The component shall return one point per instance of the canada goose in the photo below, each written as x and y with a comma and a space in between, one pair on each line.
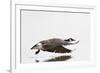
54, 45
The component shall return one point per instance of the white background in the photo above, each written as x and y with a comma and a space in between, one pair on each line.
39, 25
5, 36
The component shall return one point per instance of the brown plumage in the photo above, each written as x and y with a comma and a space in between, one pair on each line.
54, 45
58, 49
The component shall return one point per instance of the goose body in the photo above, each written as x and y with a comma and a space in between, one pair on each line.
54, 45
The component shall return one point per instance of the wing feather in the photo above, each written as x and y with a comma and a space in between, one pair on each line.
58, 49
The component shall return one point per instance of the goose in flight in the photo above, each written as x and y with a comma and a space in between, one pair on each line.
55, 45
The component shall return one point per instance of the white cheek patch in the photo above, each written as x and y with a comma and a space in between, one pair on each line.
39, 45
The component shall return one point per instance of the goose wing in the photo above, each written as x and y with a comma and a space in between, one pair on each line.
58, 49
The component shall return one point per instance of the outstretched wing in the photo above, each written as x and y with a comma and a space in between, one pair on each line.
58, 49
